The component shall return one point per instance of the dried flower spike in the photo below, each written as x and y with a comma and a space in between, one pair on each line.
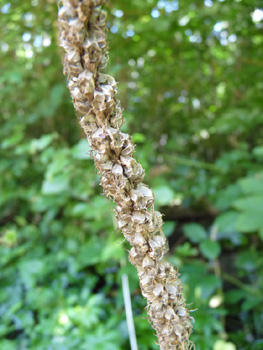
82, 35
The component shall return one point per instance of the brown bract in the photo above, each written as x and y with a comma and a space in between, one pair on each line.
83, 37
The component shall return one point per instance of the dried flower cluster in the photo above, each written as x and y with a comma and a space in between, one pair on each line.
82, 35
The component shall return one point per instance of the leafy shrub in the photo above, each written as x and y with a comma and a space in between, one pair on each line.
190, 84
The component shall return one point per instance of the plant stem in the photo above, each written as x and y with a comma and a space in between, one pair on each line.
82, 35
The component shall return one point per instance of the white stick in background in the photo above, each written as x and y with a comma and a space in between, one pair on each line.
128, 310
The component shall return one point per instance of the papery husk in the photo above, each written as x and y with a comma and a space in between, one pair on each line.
83, 36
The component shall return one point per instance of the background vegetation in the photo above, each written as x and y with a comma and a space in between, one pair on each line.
191, 80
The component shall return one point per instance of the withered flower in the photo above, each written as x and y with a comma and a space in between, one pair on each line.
94, 94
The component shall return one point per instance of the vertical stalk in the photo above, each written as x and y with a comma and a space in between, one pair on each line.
82, 35
128, 310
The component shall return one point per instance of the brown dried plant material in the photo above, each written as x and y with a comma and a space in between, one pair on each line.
82, 35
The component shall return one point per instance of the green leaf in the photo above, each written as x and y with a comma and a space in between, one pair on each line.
14, 138
225, 198
103, 339
234, 296
164, 195
8, 345
251, 302
10, 237
209, 284
56, 184
250, 204
81, 150
247, 261
168, 228
258, 152
223, 345
252, 184
90, 253
210, 249
56, 96
225, 222
112, 251
249, 222
41, 143
30, 270
186, 250
195, 232
138, 137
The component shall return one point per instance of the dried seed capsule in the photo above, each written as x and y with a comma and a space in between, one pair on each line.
181, 311
66, 12
145, 280
172, 290
159, 240
145, 191
169, 313
167, 330
117, 169
138, 217
157, 305
153, 244
158, 289
138, 238
147, 261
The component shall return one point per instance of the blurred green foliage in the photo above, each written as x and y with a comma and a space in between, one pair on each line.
191, 82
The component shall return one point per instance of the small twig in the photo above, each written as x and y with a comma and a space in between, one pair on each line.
192, 163
233, 280
128, 310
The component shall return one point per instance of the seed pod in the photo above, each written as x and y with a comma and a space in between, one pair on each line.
147, 261
117, 170
156, 305
158, 290
169, 313
181, 311
138, 217
145, 280
167, 330
172, 290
